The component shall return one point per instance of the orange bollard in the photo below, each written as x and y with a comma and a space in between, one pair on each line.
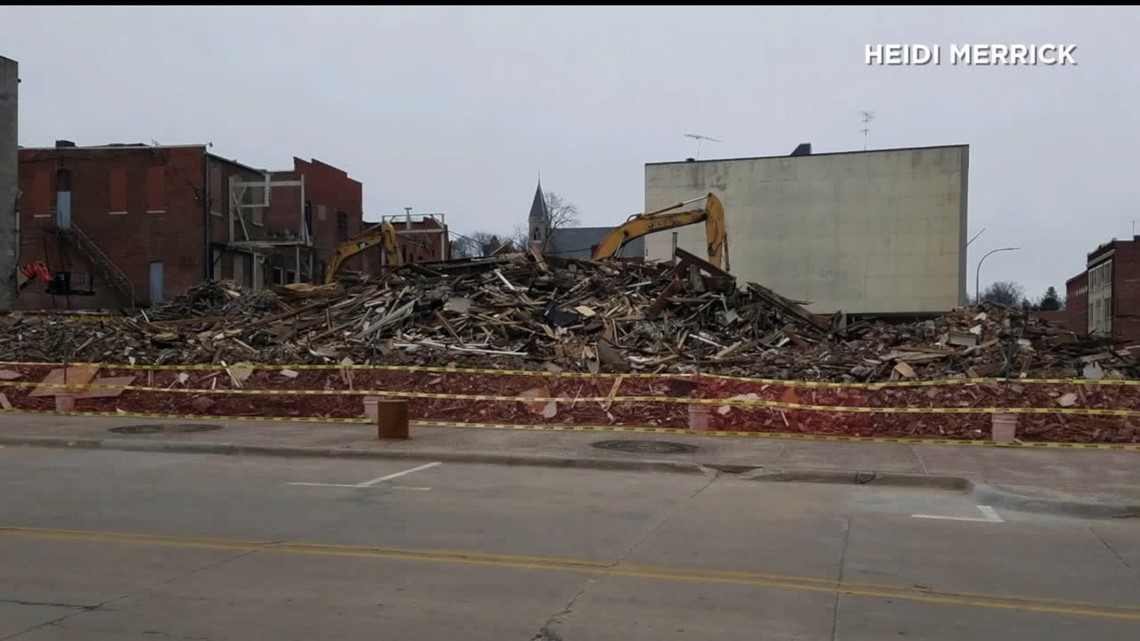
392, 420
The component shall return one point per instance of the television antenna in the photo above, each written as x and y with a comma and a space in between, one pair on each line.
868, 116
700, 138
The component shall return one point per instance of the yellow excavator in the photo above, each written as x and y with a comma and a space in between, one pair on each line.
383, 234
638, 225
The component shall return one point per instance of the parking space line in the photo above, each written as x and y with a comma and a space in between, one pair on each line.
991, 516
398, 474
376, 481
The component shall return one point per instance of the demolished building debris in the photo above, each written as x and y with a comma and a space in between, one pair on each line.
528, 312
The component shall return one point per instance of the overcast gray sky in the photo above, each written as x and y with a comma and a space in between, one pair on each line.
457, 110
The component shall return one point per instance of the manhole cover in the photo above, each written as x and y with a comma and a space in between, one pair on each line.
165, 428
646, 447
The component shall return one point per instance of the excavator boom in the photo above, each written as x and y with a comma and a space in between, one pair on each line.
712, 214
382, 234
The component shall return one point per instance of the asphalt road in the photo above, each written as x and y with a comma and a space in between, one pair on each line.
99, 545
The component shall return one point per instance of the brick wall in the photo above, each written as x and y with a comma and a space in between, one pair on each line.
1058, 318
423, 247
335, 205
1126, 290
1077, 303
138, 204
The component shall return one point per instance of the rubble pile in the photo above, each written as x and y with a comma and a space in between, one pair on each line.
524, 311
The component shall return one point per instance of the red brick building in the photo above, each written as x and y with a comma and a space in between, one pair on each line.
331, 206
129, 225
1104, 300
423, 238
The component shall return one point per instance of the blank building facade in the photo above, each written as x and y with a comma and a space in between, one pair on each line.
872, 232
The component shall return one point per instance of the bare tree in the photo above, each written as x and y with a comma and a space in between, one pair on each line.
1006, 293
520, 237
563, 213
474, 244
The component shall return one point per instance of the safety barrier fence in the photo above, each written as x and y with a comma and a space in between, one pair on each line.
1053, 410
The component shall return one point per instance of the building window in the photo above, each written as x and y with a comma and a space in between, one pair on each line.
309, 218
218, 191
341, 226
1100, 299
63, 198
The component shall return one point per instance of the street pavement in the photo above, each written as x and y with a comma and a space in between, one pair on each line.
1060, 474
99, 545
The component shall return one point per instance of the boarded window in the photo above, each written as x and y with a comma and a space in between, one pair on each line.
218, 198
156, 189
41, 196
118, 191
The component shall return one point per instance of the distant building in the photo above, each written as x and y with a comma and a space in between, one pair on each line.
572, 242
1104, 299
580, 243
330, 205
128, 225
423, 238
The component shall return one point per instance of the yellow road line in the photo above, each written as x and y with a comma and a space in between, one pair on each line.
560, 564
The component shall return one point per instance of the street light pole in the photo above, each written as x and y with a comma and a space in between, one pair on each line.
978, 273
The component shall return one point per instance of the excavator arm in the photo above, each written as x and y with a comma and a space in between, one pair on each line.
382, 234
712, 214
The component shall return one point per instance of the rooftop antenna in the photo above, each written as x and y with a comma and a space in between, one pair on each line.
868, 116
699, 138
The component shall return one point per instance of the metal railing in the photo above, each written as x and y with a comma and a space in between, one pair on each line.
105, 265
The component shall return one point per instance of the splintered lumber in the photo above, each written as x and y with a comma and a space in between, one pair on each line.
526, 311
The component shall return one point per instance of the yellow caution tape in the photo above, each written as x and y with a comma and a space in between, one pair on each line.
543, 373
626, 429
719, 402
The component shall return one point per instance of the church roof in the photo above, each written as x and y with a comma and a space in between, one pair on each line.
538, 207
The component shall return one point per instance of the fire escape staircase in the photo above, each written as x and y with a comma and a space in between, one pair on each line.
106, 268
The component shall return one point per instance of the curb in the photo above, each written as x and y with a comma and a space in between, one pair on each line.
284, 451
984, 494
995, 496
845, 477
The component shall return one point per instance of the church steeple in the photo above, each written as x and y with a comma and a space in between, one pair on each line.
539, 219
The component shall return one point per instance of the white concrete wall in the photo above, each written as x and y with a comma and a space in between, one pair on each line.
862, 232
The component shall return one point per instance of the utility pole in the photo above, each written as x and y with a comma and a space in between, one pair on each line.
9, 182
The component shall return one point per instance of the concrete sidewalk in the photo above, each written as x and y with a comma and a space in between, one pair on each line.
1095, 483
